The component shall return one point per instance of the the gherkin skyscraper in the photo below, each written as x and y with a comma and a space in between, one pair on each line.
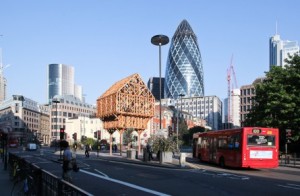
184, 71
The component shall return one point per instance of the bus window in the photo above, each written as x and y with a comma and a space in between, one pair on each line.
199, 140
261, 140
204, 143
234, 142
237, 141
230, 142
222, 143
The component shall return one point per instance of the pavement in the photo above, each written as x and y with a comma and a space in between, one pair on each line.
5, 183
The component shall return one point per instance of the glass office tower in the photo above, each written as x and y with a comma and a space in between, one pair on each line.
280, 50
60, 80
184, 71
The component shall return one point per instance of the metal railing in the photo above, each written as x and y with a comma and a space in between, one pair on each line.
48, 183
289, 160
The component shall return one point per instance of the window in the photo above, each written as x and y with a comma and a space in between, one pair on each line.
261, 140
204, 143
222, 143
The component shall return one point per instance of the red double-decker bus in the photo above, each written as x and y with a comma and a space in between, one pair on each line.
248, 147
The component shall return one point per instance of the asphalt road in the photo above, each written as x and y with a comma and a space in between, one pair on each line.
111, 177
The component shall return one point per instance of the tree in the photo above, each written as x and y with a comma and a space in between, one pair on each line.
188, 137
162, 144
277, 99
127, 137
183, 129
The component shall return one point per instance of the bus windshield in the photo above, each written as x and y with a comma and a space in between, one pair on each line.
261, 140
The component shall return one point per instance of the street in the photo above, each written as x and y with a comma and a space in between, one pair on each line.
105, 176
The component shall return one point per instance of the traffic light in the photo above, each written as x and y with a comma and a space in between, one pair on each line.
74, 136
62, 133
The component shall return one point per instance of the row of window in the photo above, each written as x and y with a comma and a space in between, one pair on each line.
64, 107
230, 142
193, 102
233, 141
249, 91
246, 100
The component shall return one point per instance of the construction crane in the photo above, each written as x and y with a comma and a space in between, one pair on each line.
231, 85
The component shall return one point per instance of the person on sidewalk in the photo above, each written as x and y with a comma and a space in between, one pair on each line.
67, 164
149, 151
87, 149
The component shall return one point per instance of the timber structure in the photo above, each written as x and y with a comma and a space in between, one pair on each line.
126, 104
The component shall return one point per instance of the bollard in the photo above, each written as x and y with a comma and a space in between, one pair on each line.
182, 159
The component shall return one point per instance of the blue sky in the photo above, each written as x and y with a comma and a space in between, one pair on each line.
108, 40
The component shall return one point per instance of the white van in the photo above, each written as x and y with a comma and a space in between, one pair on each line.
31, 146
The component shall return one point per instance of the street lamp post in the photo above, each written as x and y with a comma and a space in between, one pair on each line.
160, 40
56, 102
181, 95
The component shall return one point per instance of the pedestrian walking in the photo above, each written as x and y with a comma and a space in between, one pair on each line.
115, 148
67, 162
149, 151
87, 149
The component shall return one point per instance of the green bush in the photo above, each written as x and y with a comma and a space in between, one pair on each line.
163, 144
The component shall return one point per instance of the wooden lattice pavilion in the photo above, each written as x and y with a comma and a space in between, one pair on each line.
126, 104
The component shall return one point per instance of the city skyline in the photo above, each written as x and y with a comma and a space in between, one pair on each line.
106, 41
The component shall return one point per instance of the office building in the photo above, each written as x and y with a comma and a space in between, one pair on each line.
2, 80
184, 70
65, 107
153, 86
24, 120
208, 108
61, 82
2, 86
280, 50
246, 98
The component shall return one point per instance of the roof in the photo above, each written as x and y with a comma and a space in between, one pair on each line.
117, 86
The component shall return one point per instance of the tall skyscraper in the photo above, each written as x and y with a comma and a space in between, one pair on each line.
279, 50
2, 85
61, 81
184, 70
153, 86
2, 80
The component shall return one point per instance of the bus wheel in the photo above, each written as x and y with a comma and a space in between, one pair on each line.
222, 162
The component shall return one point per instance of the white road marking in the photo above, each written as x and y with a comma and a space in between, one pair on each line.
141, 165
217, 174
103, 174
125, 184
290, 186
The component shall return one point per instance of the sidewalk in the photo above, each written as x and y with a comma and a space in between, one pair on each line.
5, 183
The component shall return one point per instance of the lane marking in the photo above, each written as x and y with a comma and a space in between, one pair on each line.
150, 166
125, 184
290, 186
217, 174
103, 174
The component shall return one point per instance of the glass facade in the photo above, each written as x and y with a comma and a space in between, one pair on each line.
184, 70
280, 50
60, 80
